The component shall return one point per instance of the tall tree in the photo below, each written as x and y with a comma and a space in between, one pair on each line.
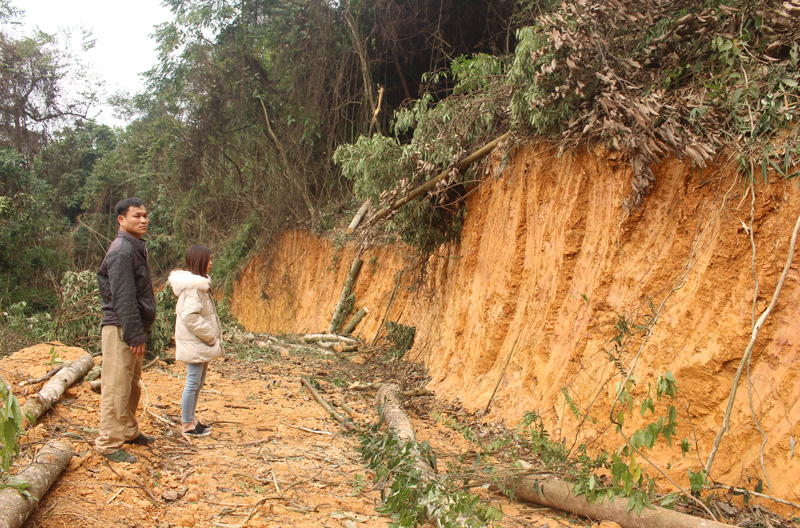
33, 98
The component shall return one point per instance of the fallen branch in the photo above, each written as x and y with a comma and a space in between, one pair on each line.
53, 372
151, 363
42, 401
749, 350
47, 465
347, 424
430, 184
308, 430
377, 385
503, 372
733, 489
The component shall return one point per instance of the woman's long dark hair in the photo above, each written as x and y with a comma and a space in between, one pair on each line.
197, 258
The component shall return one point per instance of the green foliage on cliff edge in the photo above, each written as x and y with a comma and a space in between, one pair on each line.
648, 79
652, 80
430, 136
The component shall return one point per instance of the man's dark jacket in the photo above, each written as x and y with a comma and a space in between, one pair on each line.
126, 290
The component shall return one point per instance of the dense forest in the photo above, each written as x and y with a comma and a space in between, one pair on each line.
264, 115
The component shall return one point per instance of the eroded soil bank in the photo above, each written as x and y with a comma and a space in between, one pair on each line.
534, 296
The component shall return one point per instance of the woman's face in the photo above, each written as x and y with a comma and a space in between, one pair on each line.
208, 269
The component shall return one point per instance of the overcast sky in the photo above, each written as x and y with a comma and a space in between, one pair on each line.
123, 45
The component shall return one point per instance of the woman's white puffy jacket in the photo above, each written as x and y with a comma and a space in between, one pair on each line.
198, 336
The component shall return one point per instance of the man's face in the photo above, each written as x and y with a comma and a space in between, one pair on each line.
135, 222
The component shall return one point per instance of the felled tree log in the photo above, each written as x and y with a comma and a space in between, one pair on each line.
338, 312
333, 338
47, 465
359, 216
397, 421
558, 494
392, 413
355, 320
92, 385
550, 492
42, 401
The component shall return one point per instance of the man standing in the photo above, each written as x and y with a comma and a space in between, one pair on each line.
129, 309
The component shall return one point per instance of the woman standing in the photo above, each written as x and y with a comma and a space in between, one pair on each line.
198, 336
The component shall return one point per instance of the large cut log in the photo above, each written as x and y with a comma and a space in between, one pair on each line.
397, 421
42, 401
47, 465
338, 313
550, 492
349, 327
556, 493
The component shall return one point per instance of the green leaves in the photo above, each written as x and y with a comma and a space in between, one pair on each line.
413, 497
10, 426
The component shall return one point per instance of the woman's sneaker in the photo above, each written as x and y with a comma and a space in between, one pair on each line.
199, 430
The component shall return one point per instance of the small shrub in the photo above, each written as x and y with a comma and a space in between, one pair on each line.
77, 320
10, 428
401, 338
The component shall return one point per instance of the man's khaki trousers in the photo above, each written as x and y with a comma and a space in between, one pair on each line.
119, 392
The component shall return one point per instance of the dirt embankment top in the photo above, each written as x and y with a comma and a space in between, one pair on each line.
553, 294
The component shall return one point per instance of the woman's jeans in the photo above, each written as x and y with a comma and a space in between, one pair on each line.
195, 378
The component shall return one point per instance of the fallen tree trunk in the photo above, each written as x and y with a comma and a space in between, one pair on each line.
42, 401
338, 312
558, 494
397, 421
316, 338
430, 184
392, 413
47, 465
359, 216
349, 327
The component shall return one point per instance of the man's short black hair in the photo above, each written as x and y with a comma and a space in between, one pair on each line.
123, 205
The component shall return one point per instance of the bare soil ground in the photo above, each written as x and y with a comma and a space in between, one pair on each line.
274, 458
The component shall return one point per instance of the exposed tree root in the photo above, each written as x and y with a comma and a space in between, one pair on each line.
749, 350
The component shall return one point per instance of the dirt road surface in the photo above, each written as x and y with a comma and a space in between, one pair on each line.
274, 458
